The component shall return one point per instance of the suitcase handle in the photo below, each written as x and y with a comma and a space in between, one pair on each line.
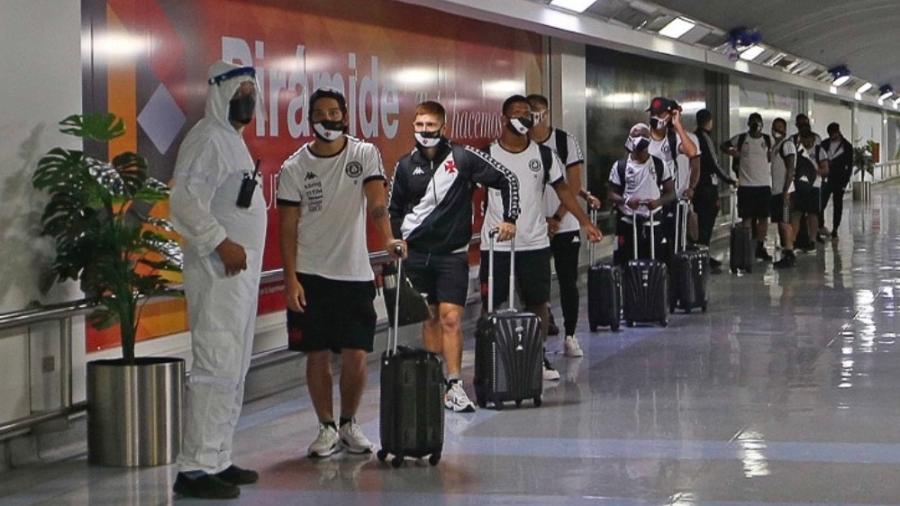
396, 330
512, 270
634, 223
734, 218
593, 215
682, 210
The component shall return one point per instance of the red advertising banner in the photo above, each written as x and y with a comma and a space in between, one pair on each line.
146, 60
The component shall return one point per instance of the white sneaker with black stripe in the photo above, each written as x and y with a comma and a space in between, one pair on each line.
326, 444
456, 398
353, 439
550, 374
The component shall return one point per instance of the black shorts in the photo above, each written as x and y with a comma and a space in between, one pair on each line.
806, 198
338, 315
754, 201
443, 277
532, 276
778, 207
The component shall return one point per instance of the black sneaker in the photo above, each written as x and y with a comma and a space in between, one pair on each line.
787, 260
237, 476
207, 486
552, 329
715, 264
762, 254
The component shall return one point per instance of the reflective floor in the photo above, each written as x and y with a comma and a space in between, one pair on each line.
786, 392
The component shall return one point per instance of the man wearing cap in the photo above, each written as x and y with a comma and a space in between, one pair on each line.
668, 139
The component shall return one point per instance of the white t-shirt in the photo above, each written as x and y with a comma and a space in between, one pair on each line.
640, 183
754, 169
781, 150
683, 168
531, 225
662, 150
331, 236
810, 154
551, 199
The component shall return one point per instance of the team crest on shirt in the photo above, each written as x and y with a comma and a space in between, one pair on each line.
354, 169
534, 165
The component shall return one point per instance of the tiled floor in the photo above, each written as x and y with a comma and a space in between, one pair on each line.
786, 392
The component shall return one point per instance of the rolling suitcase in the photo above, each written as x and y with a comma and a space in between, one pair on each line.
412, 392
645, 284
604, 292
509, 350
690, 268
741, 247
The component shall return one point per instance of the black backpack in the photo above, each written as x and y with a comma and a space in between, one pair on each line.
562, 145
807, 167
658, 165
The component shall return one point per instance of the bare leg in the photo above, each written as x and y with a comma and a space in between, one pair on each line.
431, 331
319, 383
451, 336
353, 380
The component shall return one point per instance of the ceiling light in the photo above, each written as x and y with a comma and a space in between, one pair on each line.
896, 102
573, 5
885, 92
841, 75
864, 88
752, 52
771, 62
677, 27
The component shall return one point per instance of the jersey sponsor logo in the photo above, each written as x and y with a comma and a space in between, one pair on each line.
534, 165
418, 172
354, 169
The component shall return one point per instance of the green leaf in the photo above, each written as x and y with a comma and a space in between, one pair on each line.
152, 191
98, 127
132, 168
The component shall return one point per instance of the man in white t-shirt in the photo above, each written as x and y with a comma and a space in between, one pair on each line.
811, 168
534, 166
565, 239
784, 158
668, 141
753, 149
637, 185
325, 190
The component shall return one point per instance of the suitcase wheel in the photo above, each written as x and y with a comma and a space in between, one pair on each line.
397, 462
434, 459
664, 323
629, 323
382, 455
519, 403
538, 401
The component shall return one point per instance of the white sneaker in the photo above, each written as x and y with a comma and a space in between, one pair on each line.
572, 347
326, 444
550, 374
353, 438
457, 400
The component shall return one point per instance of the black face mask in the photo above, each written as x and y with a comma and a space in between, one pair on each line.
521, 126
240, 109
428, 139
328, 131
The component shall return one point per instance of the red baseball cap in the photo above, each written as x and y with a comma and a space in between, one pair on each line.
660, 105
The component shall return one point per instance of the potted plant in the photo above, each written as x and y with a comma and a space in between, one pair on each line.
98, 215
864, 164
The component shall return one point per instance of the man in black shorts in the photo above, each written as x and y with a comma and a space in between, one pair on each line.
431, 208
324, 192
784, 158
535, 166
753, 149
812, 167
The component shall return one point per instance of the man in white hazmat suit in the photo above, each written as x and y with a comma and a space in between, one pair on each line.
224, 235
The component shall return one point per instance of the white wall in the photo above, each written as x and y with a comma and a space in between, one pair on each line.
827, 111
41, 62
869, 127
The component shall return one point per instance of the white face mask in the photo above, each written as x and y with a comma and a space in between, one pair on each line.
326, 130
428, 139
658, 123
538, 117
639, 143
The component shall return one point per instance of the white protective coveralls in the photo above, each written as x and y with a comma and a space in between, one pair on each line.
211, 164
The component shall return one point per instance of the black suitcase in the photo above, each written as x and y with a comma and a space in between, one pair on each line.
604, 294
412, 392
509, 350
690, 269
741, 247
645, 285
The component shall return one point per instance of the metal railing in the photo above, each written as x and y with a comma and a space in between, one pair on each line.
884, 171
64, 313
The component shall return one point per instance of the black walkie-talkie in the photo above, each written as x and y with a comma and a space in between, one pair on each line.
248, 186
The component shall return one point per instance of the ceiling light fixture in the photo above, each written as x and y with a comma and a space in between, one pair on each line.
885, 92
578, 6
677, 27
864, 88
752, 52
841, 75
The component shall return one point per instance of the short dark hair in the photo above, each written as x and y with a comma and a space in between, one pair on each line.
515, 99
432, 107
807, 135
801, 116
833, 127
327, 93
535, 99
703, 116
779, 120
754, 116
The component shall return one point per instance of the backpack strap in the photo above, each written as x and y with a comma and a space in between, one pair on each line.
659, 166
768, 142
672, 137
741, 139
620, 168
562, 145
546, 161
